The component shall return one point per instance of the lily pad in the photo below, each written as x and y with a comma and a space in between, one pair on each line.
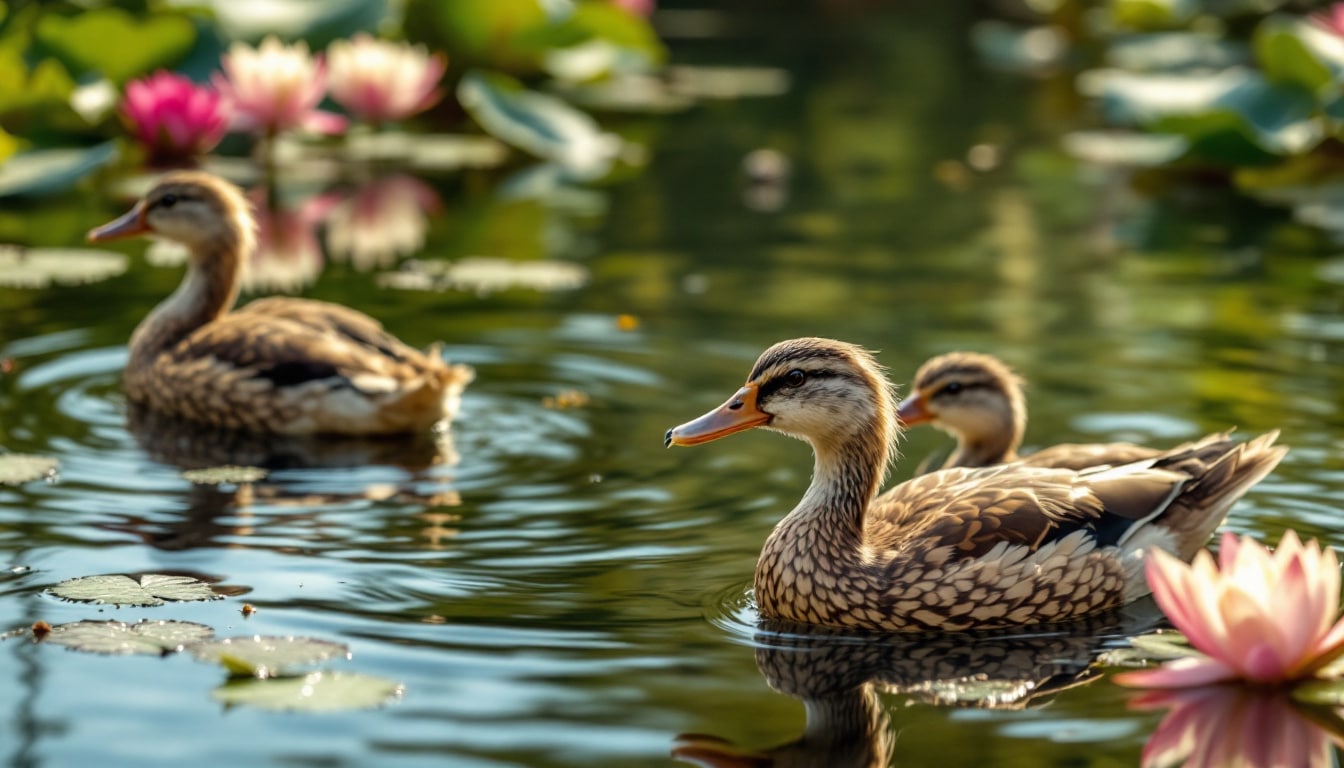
314, 692
45, 171
224, 474
1328, 693
264, 657
42, 267
1149, 649
150, 638
1142, 150
728, 82
80, 41
144, 590
16, 468
539, 124
486, 275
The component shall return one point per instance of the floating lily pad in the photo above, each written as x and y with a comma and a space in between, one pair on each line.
224, 474
18, 468
314, 692
1328, 693
486, 275
539, 124
44, 171
1149, 649
41, 267
1124, 148
150, 638
264, 657
1167, 51
728, 82
144, 590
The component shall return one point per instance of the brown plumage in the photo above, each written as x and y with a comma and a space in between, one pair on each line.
978, 400
959, 548
277, 365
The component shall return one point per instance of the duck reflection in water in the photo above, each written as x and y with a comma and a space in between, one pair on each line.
1234, 725
416, 475
840, 675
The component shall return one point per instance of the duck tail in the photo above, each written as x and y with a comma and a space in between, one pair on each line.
1220, 473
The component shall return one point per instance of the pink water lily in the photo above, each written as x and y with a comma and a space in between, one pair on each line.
276, 87
1232, 725
174, 118
1258, 616
379, 81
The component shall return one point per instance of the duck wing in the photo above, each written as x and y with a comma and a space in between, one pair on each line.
972, 511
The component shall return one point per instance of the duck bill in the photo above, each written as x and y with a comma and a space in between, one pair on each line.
736, 415
911, 411
129, 224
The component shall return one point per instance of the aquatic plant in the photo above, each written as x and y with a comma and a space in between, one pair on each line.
276, 87
174, 118
1260, 616
381, 81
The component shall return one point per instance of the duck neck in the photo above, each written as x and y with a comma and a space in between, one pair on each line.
983, 452
823, 535
207, 292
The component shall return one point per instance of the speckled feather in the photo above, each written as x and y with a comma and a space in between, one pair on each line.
966, 548
279, 365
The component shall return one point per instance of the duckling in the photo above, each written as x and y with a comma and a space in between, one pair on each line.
278, 365
959, 548
978, 400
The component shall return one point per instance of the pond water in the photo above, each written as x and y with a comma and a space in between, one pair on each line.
554, 587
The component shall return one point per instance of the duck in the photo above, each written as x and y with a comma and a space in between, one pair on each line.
978, 399
278, 365
959, 548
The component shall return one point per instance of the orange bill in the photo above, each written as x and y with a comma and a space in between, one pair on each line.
129, 224
739, 413
912, 411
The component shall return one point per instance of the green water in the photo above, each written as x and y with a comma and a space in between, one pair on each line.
559, 589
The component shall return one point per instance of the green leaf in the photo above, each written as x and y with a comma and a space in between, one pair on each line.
1274, 117
502, 34
113, 43
264, 657
314, 692
150, 638
1143, 150
539, 124
41, 267
608, 23
16, 468
1329, 693
1152, 14
1149, 649
1285, 57
45, 171
224, 474
144, 590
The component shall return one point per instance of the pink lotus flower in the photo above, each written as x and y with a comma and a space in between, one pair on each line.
174, 118
276, 88
1258, 616
384, 219
380, 81
1330, 19
1224, 725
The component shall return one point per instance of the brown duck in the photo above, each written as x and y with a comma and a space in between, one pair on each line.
277, 365
978, 400
958, 548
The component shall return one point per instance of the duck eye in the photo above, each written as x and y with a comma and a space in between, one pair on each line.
795, 378
168, 200
952, 388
